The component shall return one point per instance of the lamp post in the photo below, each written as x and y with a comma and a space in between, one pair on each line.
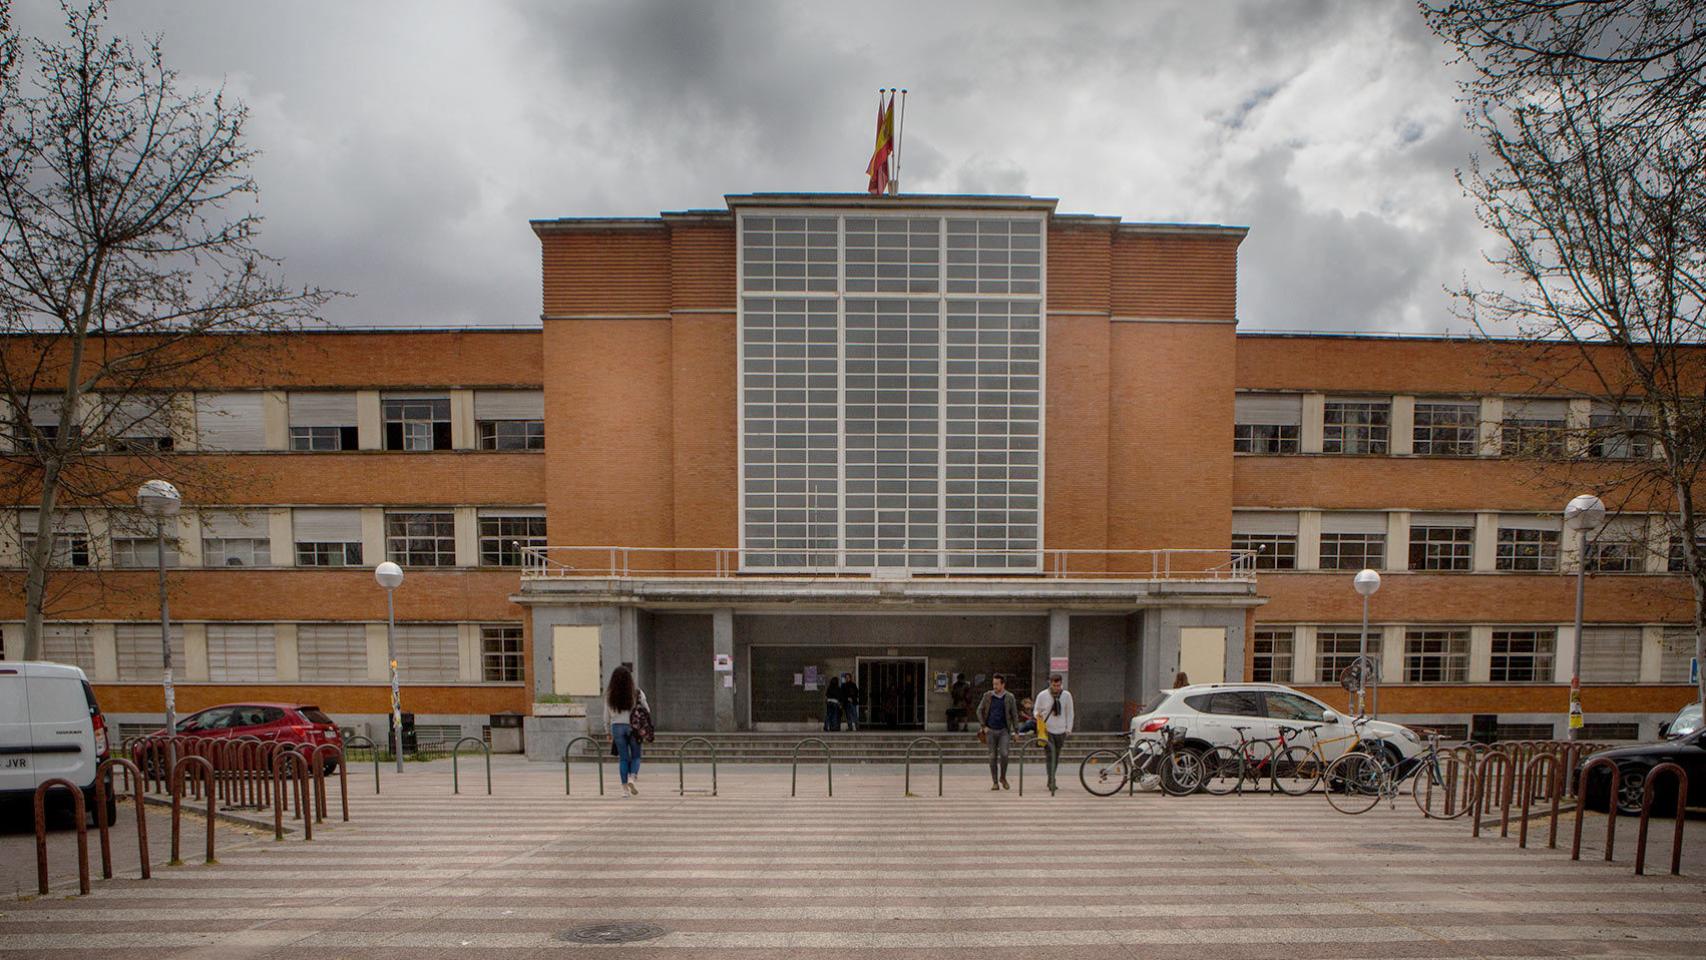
1366, 582
390, 576
1584, 513
158, 500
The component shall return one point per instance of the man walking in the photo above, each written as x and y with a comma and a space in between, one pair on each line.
850, 701
997, 718
1054, 712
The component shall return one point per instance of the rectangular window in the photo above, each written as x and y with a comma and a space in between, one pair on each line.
789, 254
331, 652
1675, 562
1614, 556
140, 424
323, 421
72, 644
322, 439
232, 539
1274, 551
1353, 551
510, 419
1436, 655
1523, 656
230, 421
70, 549
1447, 429
416, 423
1266, 422
1611, 654
134, 541
1524, 731
427, 653
1600, 732
894, 254
139, 655
241, 653
328, 554
1442, 544
1534, 428
421, 539
512, 434
1356, 426
997, 255
1337, 648
1525, 549
327, 537
503, 537
1615, 434
1272, 652
500, 653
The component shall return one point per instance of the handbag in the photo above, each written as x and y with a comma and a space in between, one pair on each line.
1042, 729
640, 723
982, 734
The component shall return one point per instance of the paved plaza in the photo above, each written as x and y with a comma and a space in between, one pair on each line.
752, 872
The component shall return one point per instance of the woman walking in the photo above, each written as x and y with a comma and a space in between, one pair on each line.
620, 699
832, 706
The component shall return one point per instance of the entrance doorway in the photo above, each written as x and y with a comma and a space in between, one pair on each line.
893, 691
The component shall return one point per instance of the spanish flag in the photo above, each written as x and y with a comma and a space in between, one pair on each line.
878, 168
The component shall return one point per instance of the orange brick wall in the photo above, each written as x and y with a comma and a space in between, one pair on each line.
335, 698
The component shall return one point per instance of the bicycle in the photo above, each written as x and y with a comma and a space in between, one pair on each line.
1226, 769
1144, 762
1358, 781
1300, 769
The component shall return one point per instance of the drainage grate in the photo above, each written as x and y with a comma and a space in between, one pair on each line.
612, 933
1393, 847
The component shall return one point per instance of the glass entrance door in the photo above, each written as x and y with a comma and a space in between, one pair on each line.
893, 691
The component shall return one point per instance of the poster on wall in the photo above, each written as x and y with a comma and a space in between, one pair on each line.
1057, 664
799, 680
811, 676
722, 663
941, 682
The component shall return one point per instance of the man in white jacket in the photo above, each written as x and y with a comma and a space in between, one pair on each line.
1053, 710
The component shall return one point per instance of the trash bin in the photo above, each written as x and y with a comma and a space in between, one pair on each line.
506, 733
410, 744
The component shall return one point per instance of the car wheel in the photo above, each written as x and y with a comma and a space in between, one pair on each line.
1631, 785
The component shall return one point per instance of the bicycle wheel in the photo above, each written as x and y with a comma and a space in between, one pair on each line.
1182, 772
1356, 782
1223, 770
1297, 771
1258, 766
1440, 788
1104, 772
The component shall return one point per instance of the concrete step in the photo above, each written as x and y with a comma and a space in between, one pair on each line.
861, 747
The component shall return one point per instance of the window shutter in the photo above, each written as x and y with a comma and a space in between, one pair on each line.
241, 652
1611, 654
509, 405
322, 409
234, 525
1537, 409
69, 643
139, 651
64, 521
45, 409
427, 653
230, 421
512, 512
1277, 521
1270, 409
1675, 652
139, 417
1442, 520
1527, 522
332, 651
1353, 523
1631, 529
327, 526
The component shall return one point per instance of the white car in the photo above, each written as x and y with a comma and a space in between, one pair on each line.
50, 727
1208, 715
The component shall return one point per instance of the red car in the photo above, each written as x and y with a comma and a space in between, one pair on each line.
286, 722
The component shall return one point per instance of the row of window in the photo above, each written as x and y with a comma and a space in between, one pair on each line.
325, 653
1441, 654
1446, 543
327, 537
1273, 423
318, 421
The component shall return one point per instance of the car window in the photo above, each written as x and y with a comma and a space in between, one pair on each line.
1290, 706
213, 718
1236, 703
271, 715
315, 715
247, 716
1200, 702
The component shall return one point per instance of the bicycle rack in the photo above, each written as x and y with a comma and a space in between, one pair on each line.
828, 765
1554, 773
103, 775
343, 776
1610, 805
1027, 745
1499, 762
180, 772
941, 762
282, 759
681, 765
1647, 808
82, 816
598, 758
455, 782
373, 749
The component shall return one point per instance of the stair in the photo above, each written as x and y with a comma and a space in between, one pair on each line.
862, 747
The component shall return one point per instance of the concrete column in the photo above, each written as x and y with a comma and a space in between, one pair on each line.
104, 639
1303, 654
284, 649
1309, 436
1492, 413
462, 436
182, 422
275, 420
378, 665
628, 638
369, 427
188, 536
1486, 550
195, 651
373, 538
1059, 644
282, 535
1309, 540
1398, 540
468, 652
1565, 659
722, 644
1652, 653
1576, 423
1480, 653
467, 526
1391, 651
1403, 429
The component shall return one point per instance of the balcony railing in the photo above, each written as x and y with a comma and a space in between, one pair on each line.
712, 562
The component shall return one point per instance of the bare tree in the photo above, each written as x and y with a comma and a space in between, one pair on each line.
128, 267
1594, 184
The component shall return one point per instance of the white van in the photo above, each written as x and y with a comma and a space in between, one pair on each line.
50, 726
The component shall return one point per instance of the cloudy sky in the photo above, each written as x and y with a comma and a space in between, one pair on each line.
406, 145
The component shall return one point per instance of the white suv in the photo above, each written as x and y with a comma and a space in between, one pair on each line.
50, 727
1206, 715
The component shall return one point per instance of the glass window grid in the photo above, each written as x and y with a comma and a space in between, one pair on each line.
500, 654
1266, 438
69, 549
992, 432
1436, 655
328, 553
893, 423
893, 255
421, 539
1620, 436
1271, 655
1615, 555
511, 434
142, 553
502, 539
1674, 560
995, 256
1353, 551
1274, 551
1523, 656
790, 254
323, 439
417, 425
1336, 650
1447, 429
1442, 548
791, 405
1356, 426
1521, 437
1527, 550
236, 552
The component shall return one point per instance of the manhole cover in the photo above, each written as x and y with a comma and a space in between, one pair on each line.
1394, 847
612, 933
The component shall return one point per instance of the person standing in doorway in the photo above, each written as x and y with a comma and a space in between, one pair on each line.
850, 701
1180, 680
1054, 709
832, 706
997, 718
620, 699
959, 703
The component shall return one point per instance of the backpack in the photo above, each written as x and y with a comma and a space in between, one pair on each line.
640, 723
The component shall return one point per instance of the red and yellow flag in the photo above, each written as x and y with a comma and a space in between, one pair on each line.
878, 168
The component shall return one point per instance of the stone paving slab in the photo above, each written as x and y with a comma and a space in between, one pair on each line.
868, 873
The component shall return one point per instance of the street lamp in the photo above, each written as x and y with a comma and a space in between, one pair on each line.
390, 576
158, 499
1366, 582
1584, 513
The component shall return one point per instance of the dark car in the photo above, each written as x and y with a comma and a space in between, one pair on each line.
1633, 765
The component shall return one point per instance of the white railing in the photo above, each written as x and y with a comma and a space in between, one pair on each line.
609, 562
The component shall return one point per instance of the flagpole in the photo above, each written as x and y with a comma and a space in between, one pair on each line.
899, 131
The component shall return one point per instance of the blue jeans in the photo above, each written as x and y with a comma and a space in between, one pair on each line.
627, 750
831, 716
852, 712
